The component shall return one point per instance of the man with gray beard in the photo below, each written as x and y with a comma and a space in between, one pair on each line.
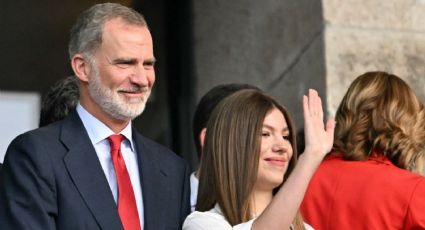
93, 170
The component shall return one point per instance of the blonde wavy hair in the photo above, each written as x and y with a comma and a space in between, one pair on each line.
381, 112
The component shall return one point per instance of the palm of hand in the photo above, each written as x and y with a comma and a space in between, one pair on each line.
318, 139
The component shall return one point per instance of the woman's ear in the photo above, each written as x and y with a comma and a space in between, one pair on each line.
81, 67
202, 137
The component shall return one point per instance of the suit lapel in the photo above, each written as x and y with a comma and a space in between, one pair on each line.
87, 174
154, 188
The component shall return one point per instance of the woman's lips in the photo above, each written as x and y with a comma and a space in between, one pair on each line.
276, 161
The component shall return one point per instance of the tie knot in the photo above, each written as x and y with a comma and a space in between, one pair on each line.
115, 141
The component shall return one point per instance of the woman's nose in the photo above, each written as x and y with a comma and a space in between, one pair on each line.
280, 146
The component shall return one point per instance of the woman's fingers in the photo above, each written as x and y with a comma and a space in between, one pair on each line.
312, 99
306, 110
330, 129
314, 104
318, 136
320, 108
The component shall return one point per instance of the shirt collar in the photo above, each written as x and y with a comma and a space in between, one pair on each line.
97, 130
375, 156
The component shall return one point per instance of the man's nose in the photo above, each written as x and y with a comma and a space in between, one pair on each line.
140, 76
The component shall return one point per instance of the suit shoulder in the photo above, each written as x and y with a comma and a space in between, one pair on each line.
42, 134
37, 143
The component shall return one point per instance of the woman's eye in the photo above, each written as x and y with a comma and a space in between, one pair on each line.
286, 138
265, 134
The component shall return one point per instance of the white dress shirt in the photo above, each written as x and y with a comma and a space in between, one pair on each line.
194, 183
98, 133
214, 219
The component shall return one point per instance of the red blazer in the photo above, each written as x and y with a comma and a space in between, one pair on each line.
372, 194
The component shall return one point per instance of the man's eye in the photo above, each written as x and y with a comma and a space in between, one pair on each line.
149, 64
122, 65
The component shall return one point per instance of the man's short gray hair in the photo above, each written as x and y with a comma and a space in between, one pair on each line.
86, 34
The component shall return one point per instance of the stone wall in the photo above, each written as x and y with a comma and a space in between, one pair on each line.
373, 35
286, 47
275, 45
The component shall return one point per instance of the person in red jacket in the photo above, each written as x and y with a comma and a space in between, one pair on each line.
372, 178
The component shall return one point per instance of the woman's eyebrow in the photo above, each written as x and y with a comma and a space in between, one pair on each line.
286, 129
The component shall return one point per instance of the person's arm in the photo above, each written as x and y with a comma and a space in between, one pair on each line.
27, 196
280, 213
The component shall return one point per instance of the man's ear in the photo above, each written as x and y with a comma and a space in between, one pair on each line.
81, 67
202, 136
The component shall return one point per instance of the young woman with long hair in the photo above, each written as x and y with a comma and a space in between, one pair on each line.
249, 175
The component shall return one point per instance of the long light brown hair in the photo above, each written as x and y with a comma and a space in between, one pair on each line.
229, 164
381, 112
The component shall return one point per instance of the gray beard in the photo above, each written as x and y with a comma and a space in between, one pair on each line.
112, 103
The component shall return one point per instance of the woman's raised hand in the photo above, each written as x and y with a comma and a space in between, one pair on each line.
318, 138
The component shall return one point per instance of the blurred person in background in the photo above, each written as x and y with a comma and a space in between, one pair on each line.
59, 100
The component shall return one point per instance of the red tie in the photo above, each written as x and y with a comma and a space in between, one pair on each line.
127, 208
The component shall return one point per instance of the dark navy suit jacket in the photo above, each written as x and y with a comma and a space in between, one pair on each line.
52, 179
